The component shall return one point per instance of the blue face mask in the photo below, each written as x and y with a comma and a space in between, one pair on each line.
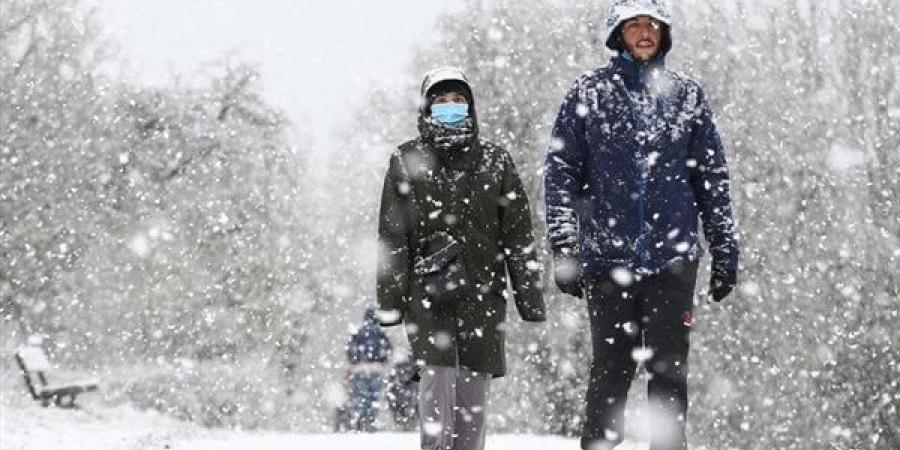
450, 114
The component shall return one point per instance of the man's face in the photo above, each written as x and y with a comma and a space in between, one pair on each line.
642, 36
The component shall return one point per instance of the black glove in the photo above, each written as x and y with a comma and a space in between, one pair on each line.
567, 274
722, 283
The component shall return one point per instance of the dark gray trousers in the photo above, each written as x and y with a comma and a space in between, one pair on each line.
452, 408
648, 321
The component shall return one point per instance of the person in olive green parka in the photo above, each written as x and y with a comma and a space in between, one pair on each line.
469, 188
449, 180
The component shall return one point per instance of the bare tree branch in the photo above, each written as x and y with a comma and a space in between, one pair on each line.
182, 167
17, 68
30, 14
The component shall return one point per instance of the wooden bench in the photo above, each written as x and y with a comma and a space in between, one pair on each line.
34, 365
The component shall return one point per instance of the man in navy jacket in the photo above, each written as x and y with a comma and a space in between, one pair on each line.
635, 163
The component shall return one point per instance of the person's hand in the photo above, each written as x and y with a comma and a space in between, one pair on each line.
722, 283
567, 275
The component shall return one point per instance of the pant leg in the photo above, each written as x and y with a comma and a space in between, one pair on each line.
667, 308
358, 400
472, 390
614, 334
437, 400
366, 388
373, 392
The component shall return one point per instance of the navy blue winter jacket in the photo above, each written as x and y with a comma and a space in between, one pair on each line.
369, 344
635, 160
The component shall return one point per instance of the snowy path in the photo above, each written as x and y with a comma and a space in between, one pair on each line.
380, 441
26, 426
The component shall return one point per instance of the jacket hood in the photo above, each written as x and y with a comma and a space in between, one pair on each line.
621, 11
440, 75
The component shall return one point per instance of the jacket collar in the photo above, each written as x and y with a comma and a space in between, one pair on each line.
636, 74
463, 156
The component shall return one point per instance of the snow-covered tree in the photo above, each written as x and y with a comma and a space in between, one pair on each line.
161, 228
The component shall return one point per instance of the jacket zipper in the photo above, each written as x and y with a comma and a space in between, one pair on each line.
640, 242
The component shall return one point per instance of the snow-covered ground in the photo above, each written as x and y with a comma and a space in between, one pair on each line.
380, 441
25, 425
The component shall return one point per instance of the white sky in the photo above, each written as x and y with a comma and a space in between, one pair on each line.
317, 57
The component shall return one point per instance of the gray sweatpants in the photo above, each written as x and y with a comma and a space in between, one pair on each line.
452, 408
